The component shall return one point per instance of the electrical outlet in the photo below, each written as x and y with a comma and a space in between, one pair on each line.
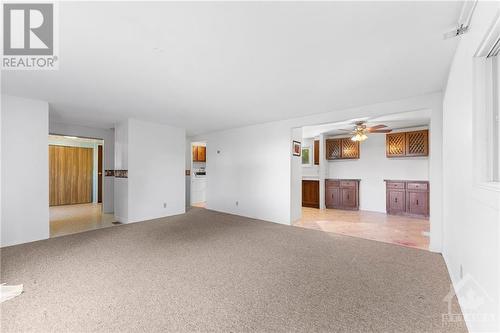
461, 272
164, 205
237, 203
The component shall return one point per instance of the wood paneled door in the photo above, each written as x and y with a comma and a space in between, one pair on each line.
310, 193
70, 175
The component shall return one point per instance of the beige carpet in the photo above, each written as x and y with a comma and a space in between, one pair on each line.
208, 271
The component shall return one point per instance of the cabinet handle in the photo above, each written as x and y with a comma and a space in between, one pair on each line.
332, 195
395, 199
417, 202
348, 197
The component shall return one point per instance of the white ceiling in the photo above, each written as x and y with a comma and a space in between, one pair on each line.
395, 121
208, 66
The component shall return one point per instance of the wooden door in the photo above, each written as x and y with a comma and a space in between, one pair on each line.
417, 202
348, 197
316, 152
310, 193
395, 202
99, 173
70, 175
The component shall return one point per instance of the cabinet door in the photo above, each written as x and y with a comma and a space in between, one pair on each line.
202, 155
395, 144
316, 152
418, 203
395, 201
333, 149
310, 193
348, 198
332, 197
417, 143
350, 149
195, 153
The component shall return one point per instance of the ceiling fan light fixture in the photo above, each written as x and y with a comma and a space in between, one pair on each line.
359, 137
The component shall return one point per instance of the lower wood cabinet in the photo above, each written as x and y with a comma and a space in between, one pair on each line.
310, 193
342, 193
407, 197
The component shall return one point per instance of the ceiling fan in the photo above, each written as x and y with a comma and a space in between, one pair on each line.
360, 131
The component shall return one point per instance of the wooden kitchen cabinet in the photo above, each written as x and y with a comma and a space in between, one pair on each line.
199, 154
407, 144
344, 148
342, 194
310, 193
405, 197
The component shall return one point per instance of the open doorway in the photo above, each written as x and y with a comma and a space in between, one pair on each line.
76, 185
198, 186
369, 178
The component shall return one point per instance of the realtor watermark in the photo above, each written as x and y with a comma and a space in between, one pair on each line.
474, 303
30, 38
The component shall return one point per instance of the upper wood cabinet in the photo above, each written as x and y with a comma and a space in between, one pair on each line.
199, 154
316, 152
403, 144
345, 148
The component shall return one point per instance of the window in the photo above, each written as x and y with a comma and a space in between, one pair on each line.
487, 104
306, 156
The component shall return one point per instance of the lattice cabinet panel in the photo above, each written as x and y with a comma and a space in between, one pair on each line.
333, 149
395, 144
350, 149
417, 143
343, 148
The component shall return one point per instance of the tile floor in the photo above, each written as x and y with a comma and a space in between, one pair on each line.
400, 230
70, 219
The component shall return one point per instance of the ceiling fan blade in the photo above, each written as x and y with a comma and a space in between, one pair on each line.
376, 127
381, 131
344, 130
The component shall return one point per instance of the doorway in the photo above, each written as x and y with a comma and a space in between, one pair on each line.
76, 185
367, 178
198, 183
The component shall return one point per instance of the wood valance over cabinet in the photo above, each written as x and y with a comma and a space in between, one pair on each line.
342, 194
407, 197
407, 144
344, 148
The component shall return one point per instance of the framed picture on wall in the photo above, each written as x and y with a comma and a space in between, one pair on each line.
296, 148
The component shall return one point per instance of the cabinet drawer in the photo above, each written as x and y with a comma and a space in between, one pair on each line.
332, 183
417, 186
396, 185
347, 183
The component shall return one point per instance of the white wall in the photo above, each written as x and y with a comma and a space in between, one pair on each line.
121, 163
471, 228
108, 154
296, 179
373, 167
154, 155
25, 170
251, 166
